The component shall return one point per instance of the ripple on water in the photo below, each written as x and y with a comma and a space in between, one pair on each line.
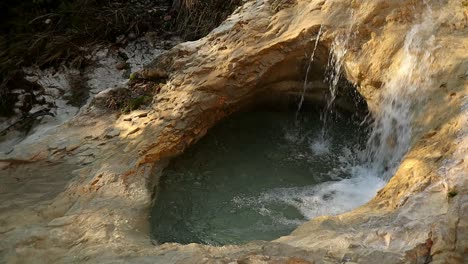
259, 175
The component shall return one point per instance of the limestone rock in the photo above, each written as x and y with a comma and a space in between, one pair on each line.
92, 206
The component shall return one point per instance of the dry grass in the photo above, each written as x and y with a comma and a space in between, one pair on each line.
196, 18
62, 32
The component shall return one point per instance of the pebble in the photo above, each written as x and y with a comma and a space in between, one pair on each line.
121, 66
112, 133
132, 36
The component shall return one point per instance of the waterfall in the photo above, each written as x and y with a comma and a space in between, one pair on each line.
308, 70
333, 74
390, 136
338, 51
391, 132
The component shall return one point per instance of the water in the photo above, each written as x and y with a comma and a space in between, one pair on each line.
334, 72
301, 101
257, 176
338, 51
402, 93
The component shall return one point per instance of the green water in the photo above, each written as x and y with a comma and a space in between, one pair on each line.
252, 177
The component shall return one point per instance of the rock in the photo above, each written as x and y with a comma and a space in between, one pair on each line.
101, 100
409, 220
72, 147
181, 125
111, 132
4, 165
141, 115
121, 66
132, 36
133, 131
62, 221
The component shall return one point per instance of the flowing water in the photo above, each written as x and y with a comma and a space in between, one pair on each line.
391, 131
304, 90
333, 75
402, 94
258, 176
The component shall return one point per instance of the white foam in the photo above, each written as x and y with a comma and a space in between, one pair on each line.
320, 146
391, 134
389, 141
328, 198
368, 169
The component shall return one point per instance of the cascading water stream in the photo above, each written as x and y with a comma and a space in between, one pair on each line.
391, 132
390, 135
244, 188
337, 54
317, 38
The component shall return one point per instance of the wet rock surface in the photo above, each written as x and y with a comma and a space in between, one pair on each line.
80, 191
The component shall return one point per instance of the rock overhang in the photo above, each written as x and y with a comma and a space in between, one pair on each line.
410, 219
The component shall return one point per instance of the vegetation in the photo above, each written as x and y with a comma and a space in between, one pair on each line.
452, 193
50, 32
137, 94
196, 18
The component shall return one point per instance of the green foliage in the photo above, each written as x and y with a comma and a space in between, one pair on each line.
45, 32
133, 76
137, 95
7, 102
452, 193
135, 103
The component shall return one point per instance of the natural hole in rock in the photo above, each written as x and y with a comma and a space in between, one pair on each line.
259, 174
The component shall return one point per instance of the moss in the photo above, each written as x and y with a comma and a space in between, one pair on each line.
133, 76
452, 193
135, 103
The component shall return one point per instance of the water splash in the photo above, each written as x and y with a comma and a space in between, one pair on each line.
338, 52
391, 131
334, 71
317, 38
328, 198
370, 168
320, 146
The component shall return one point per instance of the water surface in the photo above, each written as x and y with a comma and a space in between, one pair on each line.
257, 176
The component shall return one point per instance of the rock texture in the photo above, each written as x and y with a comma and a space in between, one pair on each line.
82, 191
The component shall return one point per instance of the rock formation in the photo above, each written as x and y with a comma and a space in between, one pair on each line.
81, 192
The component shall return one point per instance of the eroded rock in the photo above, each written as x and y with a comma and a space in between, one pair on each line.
97, 213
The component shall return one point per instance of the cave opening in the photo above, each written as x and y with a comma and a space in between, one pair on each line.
260, 173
